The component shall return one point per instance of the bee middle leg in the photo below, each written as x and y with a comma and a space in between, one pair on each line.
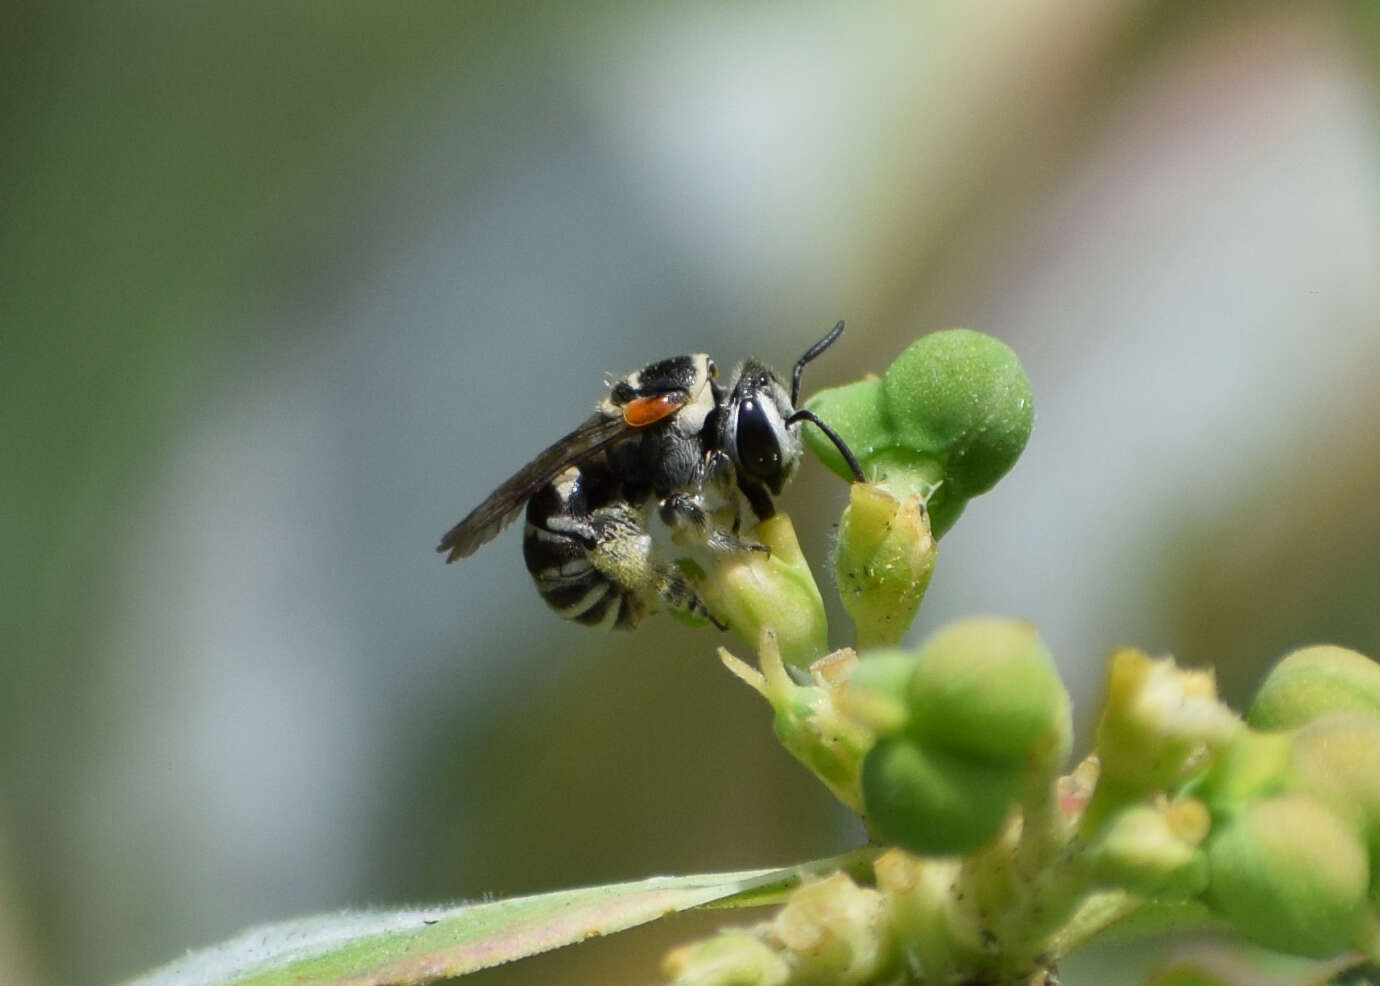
684, 515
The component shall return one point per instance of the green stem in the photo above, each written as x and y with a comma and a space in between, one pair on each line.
1042, 907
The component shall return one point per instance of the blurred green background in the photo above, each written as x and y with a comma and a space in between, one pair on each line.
287, 288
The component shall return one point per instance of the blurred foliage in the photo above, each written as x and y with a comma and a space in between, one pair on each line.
1298, 564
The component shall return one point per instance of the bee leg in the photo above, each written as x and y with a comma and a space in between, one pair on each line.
621, 549
682, 513
677, 592
721, 540
758, 498
718, 473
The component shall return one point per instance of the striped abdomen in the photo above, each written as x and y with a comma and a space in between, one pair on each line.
587, 548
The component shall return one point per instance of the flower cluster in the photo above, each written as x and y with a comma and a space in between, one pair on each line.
995, 866
1295, 847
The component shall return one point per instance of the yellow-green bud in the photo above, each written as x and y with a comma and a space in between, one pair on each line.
988, 689
1315, 681
733, 958
883, 562
1290, 875
754, 591
1155, 716
934, 802
835, 931
809, 720
1154, 851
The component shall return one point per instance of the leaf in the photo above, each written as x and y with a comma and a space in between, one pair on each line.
420, 945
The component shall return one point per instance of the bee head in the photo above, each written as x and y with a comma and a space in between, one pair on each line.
759, 422
755, 432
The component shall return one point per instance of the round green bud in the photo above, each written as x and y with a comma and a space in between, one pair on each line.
882, 562
988, 689
1336, 759
1249, 766
1290, 875
1313, 682
856, 411
933, 802
961, 395
946, 421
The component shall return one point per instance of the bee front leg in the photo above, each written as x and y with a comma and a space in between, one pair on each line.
685, 514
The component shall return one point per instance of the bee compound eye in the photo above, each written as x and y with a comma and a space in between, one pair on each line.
759, 450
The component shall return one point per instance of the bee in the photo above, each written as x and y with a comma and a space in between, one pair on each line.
669, 439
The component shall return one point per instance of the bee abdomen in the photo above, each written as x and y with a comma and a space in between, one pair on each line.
572, 586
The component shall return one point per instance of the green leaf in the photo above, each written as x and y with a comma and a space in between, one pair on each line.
420, 945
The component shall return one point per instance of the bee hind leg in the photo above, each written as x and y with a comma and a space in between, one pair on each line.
677, 592
621, 549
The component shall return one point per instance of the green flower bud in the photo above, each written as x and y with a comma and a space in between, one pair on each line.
962, 395
934, 802
810, 720
988, 689
732, 958
836, 932
1336, 759
947, 420
883, 562
1313, 682
1155, 717
858, 413
1154, 851
1247, 767
754, 591
933, 908
1290, 875
874, 692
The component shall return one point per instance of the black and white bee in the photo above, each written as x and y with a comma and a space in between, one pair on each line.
708, 456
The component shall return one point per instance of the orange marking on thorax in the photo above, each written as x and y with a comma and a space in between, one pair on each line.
643, 411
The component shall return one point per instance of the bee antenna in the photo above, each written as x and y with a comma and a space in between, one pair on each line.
807, 415
810, 354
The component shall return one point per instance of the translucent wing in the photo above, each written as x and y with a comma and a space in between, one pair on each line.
504, 504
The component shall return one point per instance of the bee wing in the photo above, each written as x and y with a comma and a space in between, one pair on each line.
502, 506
